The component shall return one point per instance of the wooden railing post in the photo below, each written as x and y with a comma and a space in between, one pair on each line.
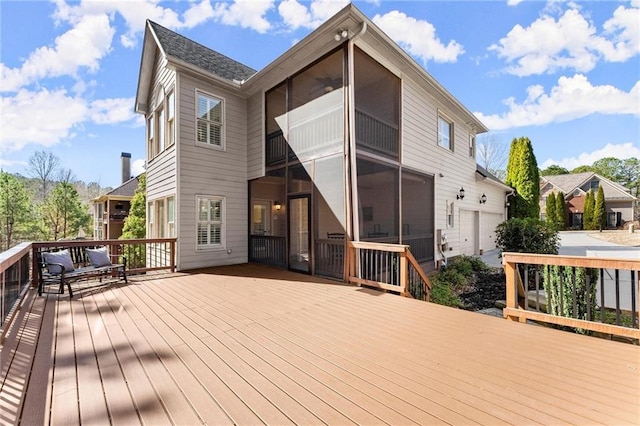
510, 271
404, 273
172, 249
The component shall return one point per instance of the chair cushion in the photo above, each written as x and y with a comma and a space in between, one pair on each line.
99, 257
63, 257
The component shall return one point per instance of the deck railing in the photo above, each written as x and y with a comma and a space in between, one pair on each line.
584, 293
329, 255
389, 267
268, 249
15, 273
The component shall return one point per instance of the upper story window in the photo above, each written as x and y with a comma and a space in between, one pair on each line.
210, 222
161, 127
472, 146
594, 185
171, 113
210, 120
445, 133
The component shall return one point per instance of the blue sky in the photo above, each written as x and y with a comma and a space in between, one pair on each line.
564, 74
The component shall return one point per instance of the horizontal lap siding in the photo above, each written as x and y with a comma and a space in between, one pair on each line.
255, 144
161, 170
420, 151
206, 171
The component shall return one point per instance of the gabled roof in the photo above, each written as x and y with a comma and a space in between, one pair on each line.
568, 183
179, 47
125, 191
179, 50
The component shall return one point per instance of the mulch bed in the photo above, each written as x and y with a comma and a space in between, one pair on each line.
489, 287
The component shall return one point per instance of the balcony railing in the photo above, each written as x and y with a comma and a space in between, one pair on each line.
376, 135
389, 267
587, 294
15, 274
19, 268
268, 249
329, 255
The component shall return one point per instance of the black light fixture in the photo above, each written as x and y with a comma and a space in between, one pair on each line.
483, 198
460, 195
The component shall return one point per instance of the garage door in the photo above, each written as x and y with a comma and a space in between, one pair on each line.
467, 232
488, 224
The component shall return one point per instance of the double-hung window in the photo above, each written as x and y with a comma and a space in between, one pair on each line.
150, 216
171, 113
210, 121
150, 137
161, 131
210, 222
171, 212
472, 146
445, 133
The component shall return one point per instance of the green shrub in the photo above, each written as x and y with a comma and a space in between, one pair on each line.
527, 236
442, 294
456, 278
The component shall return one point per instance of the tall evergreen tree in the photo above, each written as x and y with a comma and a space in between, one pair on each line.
523, 175
550, 208
587, 215
560, 212
64, 212
135, 225
600, 211
16, 213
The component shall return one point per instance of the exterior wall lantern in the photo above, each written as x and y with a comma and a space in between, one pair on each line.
277, 205
483, 198
460, 195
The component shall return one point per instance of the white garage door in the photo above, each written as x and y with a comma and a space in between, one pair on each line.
467, 232
488, 223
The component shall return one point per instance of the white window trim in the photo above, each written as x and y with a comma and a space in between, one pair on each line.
151, 133
223, 223
451, 147
223, 127
450, 215
170, 131
472, 146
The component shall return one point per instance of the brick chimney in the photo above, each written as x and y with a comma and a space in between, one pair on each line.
126, 166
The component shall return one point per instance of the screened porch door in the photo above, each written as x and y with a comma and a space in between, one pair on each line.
299, 238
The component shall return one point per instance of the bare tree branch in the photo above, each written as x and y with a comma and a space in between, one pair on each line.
42, 166
492, 154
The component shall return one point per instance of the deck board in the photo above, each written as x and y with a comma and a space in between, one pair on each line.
251, 344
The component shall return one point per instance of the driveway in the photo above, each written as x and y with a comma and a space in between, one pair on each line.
581, 244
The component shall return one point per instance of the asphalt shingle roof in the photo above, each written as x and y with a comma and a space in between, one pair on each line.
196, 54
567, 183
127, 189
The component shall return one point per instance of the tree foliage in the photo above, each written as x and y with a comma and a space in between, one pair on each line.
16, 213
560, 219
43, 165
554, 170
588, 210
135, 225
63, 212
523, 175
600, 211
550, 208
527, 235
562, 284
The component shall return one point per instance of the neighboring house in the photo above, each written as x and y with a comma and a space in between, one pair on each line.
618, 199
111, 209
284, 165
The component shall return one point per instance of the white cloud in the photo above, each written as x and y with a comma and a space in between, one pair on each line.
296, 15
138, 166
42, 117
514, 2
245, 13
111, 111
198, 13
572, 98
570, 42
418, 37
83, 46
621, 151
49, 117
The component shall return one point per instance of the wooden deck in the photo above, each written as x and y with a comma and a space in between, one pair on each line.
250, 344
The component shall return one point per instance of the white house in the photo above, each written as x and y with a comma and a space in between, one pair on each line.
343, 137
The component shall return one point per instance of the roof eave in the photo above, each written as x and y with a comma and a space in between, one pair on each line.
179, 64
149, 45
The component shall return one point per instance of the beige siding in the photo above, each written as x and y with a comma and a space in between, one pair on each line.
161, 170
255, 137
213, 172
452, 170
